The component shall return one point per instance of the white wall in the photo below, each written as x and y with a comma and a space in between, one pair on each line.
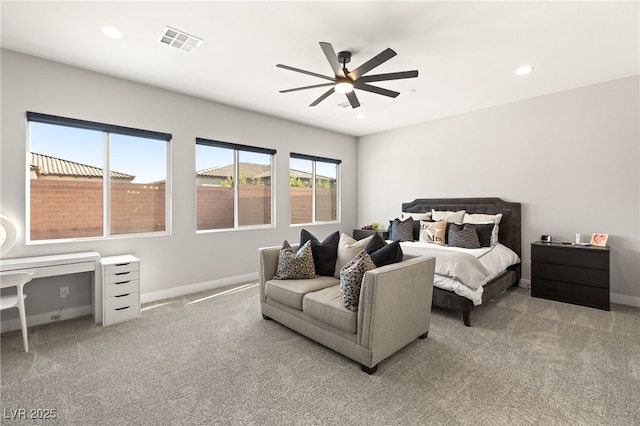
183, 258
571, 158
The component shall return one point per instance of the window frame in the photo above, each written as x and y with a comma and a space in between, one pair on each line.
107, 130
314, 159
236, 147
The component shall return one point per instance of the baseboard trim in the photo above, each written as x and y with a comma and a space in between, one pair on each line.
80, 311
194, 288
44, 318
623, 299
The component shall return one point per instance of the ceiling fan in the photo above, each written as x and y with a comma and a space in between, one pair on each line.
345, 81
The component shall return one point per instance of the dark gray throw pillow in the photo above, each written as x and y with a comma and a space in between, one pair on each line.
463, 236
324, 252
376, 243
484, 231
401, 230
390, 253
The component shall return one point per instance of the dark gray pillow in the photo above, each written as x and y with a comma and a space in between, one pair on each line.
401, 230
324, 252
463, 236
390, 253
484, 231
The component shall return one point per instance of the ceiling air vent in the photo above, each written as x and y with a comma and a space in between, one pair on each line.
180, 39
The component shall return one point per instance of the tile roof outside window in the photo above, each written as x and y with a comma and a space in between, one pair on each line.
44, 165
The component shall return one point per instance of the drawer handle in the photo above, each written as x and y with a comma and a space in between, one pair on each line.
122, 264
122, 273
120, 309
122, 282
122, 295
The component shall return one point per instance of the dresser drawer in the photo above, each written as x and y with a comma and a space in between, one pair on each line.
121, 268
121, 277
121, 301
118, 289
581, 257
593, 297
570, 274
113, 316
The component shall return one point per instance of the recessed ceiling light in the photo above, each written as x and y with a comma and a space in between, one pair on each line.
179, 39
524, 70
111, 32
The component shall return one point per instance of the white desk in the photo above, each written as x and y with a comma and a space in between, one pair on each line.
63, 264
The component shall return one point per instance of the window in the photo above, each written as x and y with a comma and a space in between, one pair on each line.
69, 196
233, 185
313, 188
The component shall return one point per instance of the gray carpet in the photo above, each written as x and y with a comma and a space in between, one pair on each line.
525, 361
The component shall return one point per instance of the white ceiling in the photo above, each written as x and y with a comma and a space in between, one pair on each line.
465, 52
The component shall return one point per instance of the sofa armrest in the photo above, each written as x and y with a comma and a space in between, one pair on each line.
395, 305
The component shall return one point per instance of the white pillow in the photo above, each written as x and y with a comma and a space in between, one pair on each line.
437, 215
348, 248
483, 219
416, 216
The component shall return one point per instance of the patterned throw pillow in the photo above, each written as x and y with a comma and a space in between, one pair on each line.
295, 266
434, 232
401, 230
463, 236
351, 279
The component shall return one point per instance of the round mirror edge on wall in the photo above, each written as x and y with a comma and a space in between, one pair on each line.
7, 234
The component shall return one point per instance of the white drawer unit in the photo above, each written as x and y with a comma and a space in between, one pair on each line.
120, 288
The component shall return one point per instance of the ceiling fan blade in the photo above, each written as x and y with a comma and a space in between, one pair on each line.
287, 67
389, 76
306, 87
322, 98
379, 59
353, 99
374, 89
332, 58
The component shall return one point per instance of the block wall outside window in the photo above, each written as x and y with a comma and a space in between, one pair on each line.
233, 185
313, 189
68, 195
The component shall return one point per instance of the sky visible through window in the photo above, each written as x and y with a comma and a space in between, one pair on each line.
141, 157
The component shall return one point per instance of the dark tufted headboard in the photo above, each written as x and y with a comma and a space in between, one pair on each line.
510, 225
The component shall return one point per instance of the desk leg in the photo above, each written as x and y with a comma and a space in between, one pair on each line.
96, 294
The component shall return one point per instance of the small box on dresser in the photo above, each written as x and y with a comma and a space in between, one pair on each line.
121, 288
571, 273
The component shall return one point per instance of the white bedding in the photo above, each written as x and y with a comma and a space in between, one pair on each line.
491, 261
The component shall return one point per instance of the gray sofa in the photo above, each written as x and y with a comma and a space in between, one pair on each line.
394, 307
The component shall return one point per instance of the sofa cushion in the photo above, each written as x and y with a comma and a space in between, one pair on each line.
348, 248
325, 252
295, 265
291, 292
327, 306
351, 279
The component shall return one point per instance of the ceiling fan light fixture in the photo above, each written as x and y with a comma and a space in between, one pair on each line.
343, 86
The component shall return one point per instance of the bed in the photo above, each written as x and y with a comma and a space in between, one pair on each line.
509, 235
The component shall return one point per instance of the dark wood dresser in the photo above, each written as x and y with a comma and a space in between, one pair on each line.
571, 273
359, 234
